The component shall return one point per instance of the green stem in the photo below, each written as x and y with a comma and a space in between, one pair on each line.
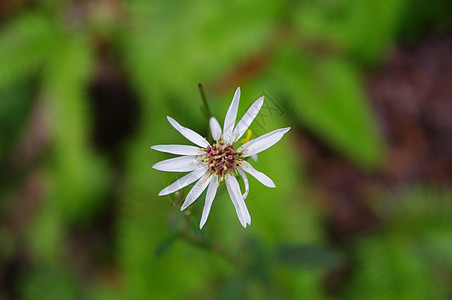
204, 101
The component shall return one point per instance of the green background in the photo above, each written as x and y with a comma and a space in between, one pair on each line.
85, 88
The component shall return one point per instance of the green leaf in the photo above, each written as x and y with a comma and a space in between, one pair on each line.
326, 96
370, 26
80, 177
364, 29
24, 46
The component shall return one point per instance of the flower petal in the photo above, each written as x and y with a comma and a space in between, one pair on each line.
264, 179
211, 191
184, 181
245, 181
236, 197
247, 119
236, 206
189, 134
178, 149
231, 115
178, 164
215, 128
197, 189
263, 142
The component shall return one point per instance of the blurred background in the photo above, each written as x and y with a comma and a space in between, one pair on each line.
363, 204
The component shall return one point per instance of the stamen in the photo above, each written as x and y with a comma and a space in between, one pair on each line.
222, 158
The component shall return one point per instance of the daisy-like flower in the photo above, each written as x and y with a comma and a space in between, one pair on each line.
222, 161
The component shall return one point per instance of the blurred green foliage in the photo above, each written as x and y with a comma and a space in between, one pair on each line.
313, 55
408, 258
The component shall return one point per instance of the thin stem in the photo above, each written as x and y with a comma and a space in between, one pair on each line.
204, 100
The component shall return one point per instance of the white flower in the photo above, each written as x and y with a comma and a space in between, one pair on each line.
211, 164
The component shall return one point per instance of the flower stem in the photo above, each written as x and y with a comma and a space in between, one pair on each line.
204, 101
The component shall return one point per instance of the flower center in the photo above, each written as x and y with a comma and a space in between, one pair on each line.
222, 158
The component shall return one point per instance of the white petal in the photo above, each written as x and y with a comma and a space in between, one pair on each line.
254, 157
264, 179
263, 142
211, 191
178, 149
184, 181
178, 164
197, 189
236, 205
240, 206
247, 119
189, 134
229, 120
245, 181
215, 128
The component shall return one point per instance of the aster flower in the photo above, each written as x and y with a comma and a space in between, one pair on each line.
222, 161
